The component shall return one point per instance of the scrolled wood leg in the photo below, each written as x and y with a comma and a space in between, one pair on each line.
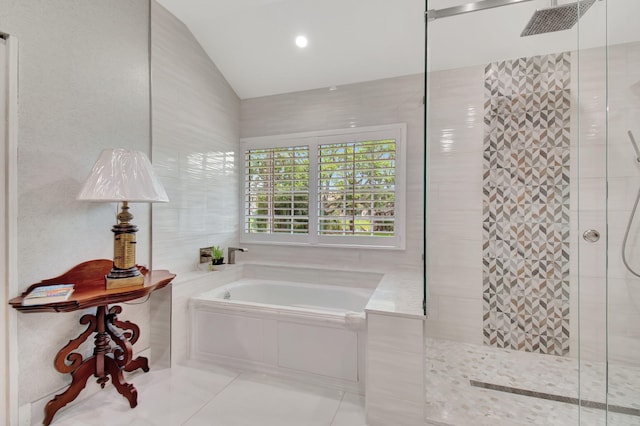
66, 354
79, 379
140, 362
124, 334
113, 353
125, 389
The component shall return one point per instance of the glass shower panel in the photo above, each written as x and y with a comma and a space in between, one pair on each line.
516, 174
623, 219
589, 220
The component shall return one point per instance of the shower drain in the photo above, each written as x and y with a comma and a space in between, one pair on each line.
559, 398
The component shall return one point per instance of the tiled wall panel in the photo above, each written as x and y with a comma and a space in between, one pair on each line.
609, 294
195, 142
456, 132
395, 370
526, 212
83, 86
454, 200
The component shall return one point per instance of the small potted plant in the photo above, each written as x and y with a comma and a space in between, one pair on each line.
217, 256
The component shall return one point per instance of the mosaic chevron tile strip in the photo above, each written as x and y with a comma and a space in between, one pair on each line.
526, 204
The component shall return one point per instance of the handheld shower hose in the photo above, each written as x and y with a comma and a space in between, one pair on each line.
633, 213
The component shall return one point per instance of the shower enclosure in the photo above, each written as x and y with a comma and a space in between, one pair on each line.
532, 234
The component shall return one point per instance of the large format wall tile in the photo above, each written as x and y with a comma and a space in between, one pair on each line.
83, 86
196, 117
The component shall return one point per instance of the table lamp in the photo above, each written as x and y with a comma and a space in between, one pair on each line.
125, 176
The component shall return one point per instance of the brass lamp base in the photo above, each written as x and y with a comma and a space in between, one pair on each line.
124, 282
124, 272
119, 278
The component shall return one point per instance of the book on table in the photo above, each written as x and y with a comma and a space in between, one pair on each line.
48, 294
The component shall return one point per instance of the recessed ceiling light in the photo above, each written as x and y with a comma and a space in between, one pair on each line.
301, 41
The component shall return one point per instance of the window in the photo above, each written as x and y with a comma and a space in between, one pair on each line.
356, 188
277, 190
342, 187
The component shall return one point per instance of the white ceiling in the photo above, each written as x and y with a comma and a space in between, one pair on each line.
253, 41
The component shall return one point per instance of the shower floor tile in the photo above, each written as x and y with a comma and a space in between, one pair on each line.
450, 366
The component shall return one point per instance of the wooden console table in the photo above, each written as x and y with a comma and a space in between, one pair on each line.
114, 339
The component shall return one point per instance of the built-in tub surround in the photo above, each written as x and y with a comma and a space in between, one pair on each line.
286, 323
395, 351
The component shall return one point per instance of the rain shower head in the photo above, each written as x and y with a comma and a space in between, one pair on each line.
556, 18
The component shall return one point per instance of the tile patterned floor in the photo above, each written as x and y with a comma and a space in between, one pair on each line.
193, 397
452, 401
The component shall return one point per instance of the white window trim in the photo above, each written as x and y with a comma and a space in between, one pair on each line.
313, 140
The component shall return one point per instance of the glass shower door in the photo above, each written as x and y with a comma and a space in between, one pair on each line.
502, 331
622, 162
532, 317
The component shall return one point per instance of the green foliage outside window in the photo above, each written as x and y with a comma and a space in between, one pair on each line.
277, 190
356, 188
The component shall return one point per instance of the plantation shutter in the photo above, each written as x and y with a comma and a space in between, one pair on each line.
277, 190
357, 188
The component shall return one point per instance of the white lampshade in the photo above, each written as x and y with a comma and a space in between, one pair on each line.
123, 175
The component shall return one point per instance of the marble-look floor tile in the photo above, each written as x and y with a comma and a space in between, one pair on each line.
257, 399
351, 411
200, 394
165, 397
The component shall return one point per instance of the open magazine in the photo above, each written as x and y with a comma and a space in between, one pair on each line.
48, 294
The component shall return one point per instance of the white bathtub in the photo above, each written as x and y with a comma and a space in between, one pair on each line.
305, 330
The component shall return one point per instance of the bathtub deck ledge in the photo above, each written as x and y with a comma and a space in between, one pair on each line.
398, 294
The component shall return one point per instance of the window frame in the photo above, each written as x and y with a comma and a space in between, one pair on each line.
313, 140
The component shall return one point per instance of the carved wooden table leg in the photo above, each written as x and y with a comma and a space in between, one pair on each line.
107, 360
102, 346
125, 389
125, 334
79, 379
80, 370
